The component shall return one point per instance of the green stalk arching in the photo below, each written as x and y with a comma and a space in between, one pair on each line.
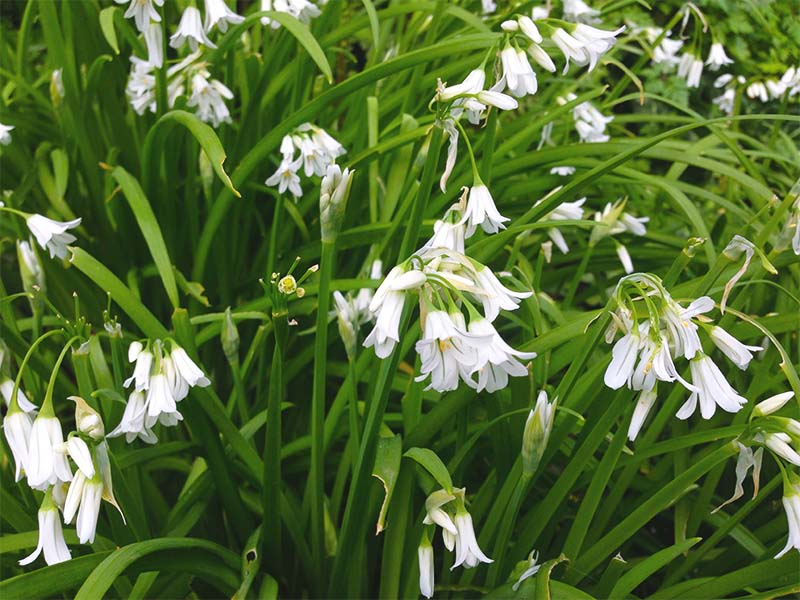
317, 474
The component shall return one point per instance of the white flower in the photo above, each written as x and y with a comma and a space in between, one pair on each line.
190, 29
303, 10
141, 86
496, 360
735, 248
155, 48
570, 47
78, 451
566, 211
51, 536
5, 134
528, 27
497, 99
449, 232
540, 12
590, 123
7, 389
690, 68
775, 88
585, 44
667, 50
739, 353
141, 372
791, 504
624, 258
757, 90
563, 171
725, 101
791, 81
187, 369
447, 351
623, 359
51, 234
680, 329
578, 10
488, 7
434, 514
57, 84
209, 98
717, 57
468, 552
142, 12
482, 211
494, 295
531, 570
218, 13
160, 399
46, 465
84, 497
747, 458
643, 405
387, 307
462, 96
17, 427
133, 420
452, 132
286, 178
426, 567
713, 390
541, 57
518, 75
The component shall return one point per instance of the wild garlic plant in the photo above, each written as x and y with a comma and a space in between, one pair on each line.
303, 298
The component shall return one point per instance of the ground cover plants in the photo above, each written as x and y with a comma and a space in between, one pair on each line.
378, 299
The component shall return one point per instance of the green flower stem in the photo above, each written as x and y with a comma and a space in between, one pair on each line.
317, 474
24, 363
47, 404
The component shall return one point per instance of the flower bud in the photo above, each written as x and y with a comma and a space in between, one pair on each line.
334, 192
229, 337
30, 269
287, 285
537, 433
87, 419
772, 404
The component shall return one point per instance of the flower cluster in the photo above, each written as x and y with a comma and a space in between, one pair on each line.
660, 333
590, 123
41, 455
160, 380
309, 147
447, 510
447, 281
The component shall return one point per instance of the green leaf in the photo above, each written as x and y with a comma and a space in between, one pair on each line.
150, 230
433, 464
192, 288
543, 577
154, 145
387, 466
204, 559
107, 27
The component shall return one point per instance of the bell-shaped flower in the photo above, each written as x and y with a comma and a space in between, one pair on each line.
143, 358
494, 295
218, 14
142, 12
209, 97
529, 568
468, 553
51, 536
52, 235
740, 354
713, 390
285, 177
644, 403
387, 307
518, 76
436, 515
717, 57
83, 498
772, 404
447, 350
46, 464
190, 29
79, 451
579, 11
17, 426
153, 39
481, 210
791, 504
133, 420
187, 369
496, 360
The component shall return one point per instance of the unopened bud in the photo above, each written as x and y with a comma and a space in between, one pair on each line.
229, 336
334, 191
30, 269
87, 419
537, 433
772, 404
